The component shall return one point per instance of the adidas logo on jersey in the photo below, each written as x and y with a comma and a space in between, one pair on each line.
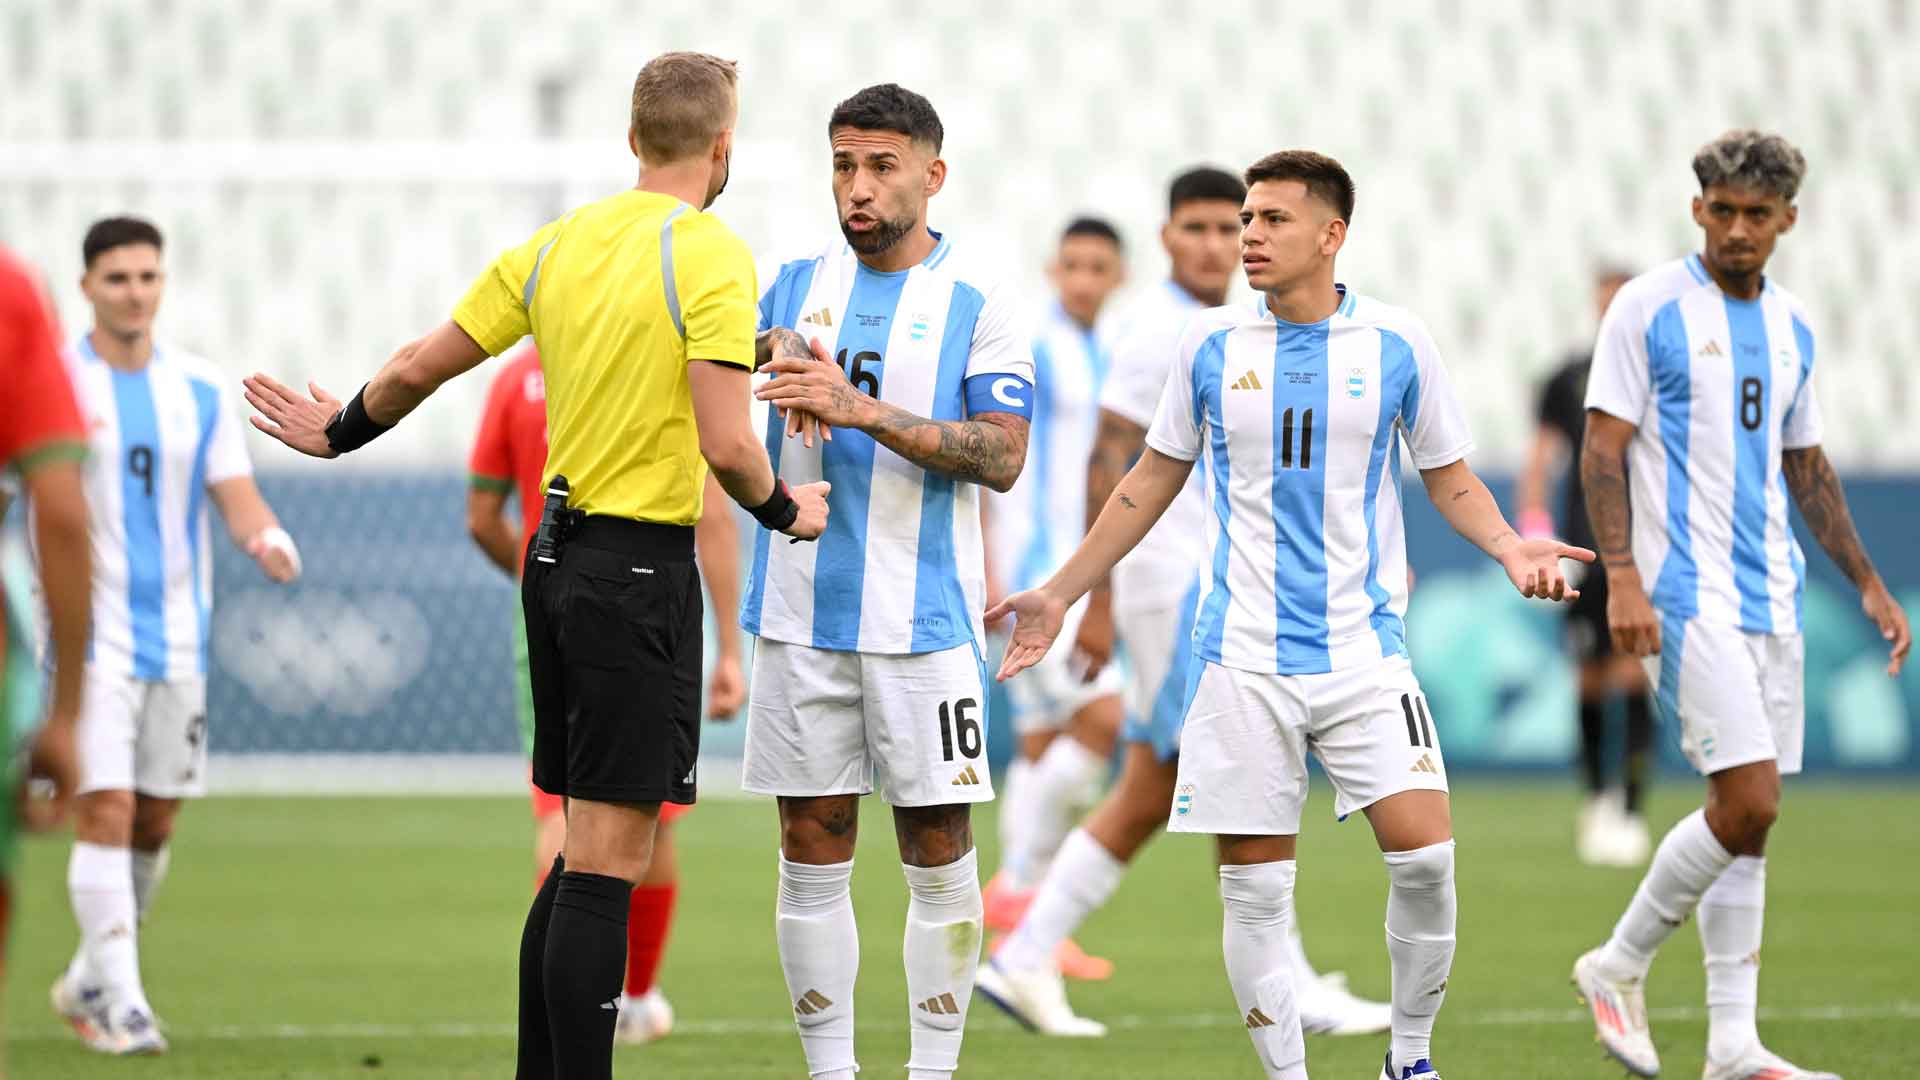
1249, 381
967, 778
811, 1002
1711, 348
944, 1005
1425, 764
823, 317
1258, 1019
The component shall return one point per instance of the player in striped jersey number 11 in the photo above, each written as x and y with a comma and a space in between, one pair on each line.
1298, 407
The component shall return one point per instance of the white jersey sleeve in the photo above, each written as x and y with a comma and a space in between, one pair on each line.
1000, 372
227, 448
1802, 426
1175, 431
1132, 391
1619, 382
1438, 434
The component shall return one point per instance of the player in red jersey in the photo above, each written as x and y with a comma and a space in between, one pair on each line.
509, 455
42, 442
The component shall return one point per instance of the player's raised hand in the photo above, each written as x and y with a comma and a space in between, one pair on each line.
1037, 618
1534, 568
1886, 614
787, 343
814, 385
300, 422
812, 519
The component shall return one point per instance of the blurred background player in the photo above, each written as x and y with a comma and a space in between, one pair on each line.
869, 673
508, 456
1154, 591
1702, 419
1067, 723
1611, 829
1297, 404
42, 445
165, 442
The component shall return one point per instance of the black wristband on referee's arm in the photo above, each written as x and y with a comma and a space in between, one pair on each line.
779, 511
353, 428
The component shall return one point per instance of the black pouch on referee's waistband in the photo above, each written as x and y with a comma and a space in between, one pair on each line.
557, 522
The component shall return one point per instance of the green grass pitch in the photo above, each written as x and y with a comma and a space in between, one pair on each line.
377, 938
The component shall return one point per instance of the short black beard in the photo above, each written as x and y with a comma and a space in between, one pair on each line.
881, 237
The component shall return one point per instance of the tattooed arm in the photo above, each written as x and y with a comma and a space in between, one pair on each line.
1634, 624
988, 449
1816, 490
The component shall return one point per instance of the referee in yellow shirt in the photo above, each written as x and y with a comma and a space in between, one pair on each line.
643, 309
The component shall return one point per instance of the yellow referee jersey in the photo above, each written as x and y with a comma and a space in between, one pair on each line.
619, 295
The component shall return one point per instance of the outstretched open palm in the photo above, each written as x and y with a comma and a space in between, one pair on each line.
1534, 568
1037, 619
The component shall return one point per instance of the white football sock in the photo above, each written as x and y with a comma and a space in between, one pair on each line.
1258, 903
100, 884
1015, 789
1730, 914
1421, 911
1082, 879
820, 956
1059, 786
1688, 860
942, 949
149, 870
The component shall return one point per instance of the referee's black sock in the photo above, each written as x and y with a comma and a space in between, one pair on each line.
585, 966
536, 1039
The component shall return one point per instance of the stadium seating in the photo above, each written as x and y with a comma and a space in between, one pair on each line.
333, 172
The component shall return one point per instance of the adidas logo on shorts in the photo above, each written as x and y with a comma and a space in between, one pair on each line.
967, 778
1425, 765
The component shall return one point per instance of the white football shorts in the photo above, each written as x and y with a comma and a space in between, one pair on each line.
1159, 644
1735, 696
142, 736
1243, 750
1046, 695
828, 722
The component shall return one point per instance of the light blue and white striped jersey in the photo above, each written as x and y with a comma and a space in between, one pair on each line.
901, 567
1299, 425
1158, 571
1718, 387
1039, 523
157, 439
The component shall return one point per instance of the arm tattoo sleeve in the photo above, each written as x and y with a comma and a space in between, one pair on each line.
1816, 490
1115, 446
988, 450
1604, 475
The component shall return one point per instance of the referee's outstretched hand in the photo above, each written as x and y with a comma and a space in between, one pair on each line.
297, 421
1037, 619
812, 520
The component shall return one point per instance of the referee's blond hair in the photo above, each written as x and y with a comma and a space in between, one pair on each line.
682, 101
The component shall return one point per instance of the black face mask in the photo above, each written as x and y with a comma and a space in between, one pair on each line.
723, 182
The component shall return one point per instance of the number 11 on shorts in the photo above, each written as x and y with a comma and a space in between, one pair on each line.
955, 721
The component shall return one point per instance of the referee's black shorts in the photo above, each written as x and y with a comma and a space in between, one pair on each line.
613, 651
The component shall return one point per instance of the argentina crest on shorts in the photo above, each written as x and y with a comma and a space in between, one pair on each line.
1183, 800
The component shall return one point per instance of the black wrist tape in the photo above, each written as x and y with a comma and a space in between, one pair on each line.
353, 428
779, 511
